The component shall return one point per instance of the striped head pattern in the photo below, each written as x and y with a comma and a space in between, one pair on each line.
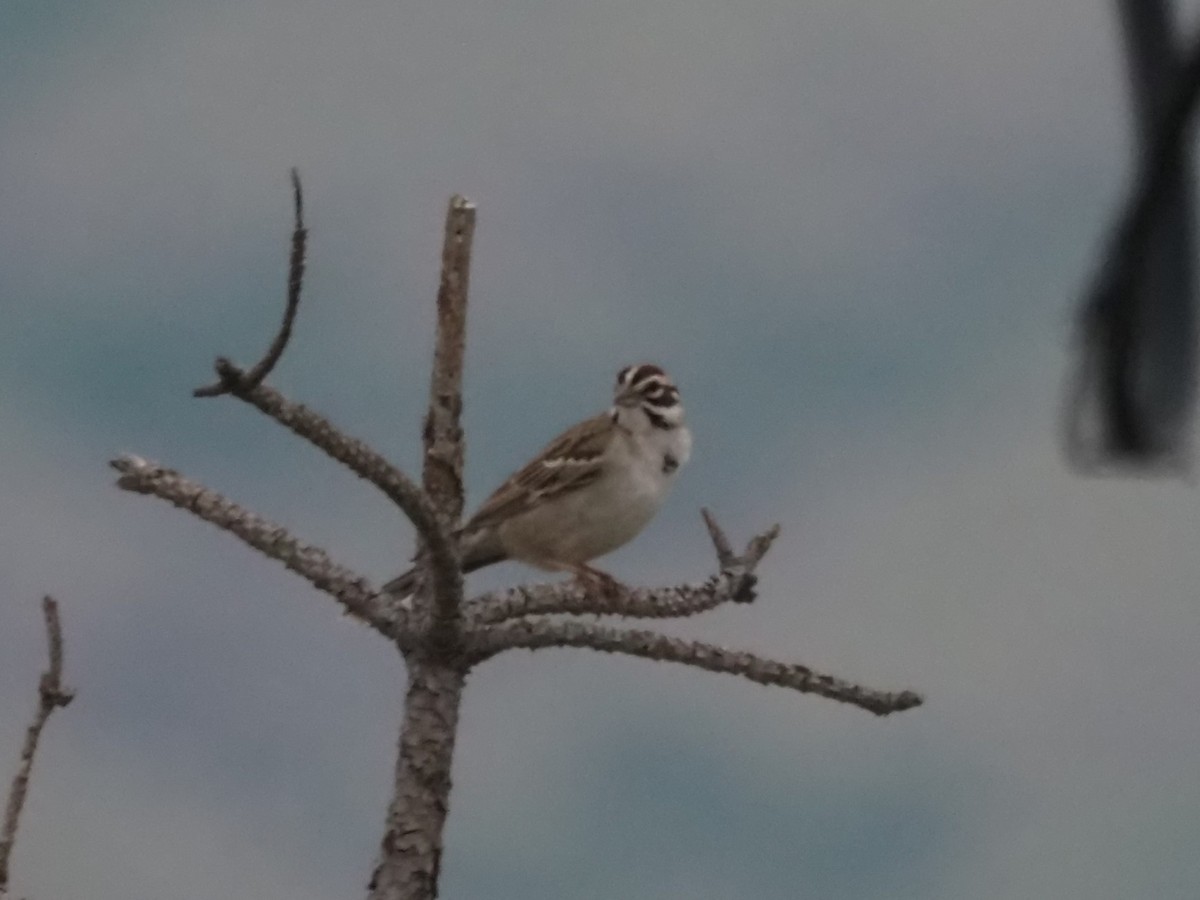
648, 389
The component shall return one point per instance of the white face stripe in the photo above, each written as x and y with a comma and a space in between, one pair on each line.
640, 373
658, 407
645, 378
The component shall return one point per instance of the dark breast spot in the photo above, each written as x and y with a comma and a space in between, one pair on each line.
670, 464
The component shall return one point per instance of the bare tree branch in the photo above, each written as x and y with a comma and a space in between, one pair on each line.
355, 593
358, 458
51, 695
354, 454
537, 634
229, 377
735, 583
1137, 324
443, 437
575, 598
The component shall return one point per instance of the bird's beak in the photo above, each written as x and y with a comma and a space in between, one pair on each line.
627, 397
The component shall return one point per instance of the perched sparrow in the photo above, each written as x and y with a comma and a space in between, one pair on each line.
589, 491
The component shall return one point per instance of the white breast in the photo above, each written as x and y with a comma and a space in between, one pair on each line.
608, 513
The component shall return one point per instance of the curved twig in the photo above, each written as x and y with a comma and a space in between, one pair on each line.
231, 379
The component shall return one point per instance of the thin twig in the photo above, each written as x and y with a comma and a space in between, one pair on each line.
720, 542
51, 696
443, 436
354, 592
537, 634
230, 378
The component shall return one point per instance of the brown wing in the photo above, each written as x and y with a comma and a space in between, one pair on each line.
566, 464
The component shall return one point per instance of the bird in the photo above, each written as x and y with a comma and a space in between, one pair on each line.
589, 491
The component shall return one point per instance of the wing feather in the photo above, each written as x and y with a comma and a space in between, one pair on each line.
569, 462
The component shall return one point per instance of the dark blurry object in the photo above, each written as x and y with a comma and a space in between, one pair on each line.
1135, 384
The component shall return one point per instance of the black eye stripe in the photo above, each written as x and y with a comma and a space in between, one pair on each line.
663, 400
659, 389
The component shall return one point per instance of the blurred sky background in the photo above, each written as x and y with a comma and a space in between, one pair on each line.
854, 231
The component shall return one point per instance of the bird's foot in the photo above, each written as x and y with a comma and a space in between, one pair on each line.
600, 581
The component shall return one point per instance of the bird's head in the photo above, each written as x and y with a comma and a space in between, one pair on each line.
645, 393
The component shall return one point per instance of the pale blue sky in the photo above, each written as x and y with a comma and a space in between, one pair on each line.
853, 231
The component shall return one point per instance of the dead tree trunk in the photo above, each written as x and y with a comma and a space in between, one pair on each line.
411, 854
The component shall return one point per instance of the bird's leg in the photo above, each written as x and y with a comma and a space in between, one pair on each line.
602, 581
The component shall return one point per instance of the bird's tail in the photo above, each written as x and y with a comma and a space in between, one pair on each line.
478, 554
402, 585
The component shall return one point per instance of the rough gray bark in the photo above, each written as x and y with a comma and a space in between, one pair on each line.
443, 635
539, 634
411, 852
442, 475
353, 592
51, 695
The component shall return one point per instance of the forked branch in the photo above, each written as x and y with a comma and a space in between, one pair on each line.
734, 583
249, 387
538, 634
356, 456
51, 695
353, 592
